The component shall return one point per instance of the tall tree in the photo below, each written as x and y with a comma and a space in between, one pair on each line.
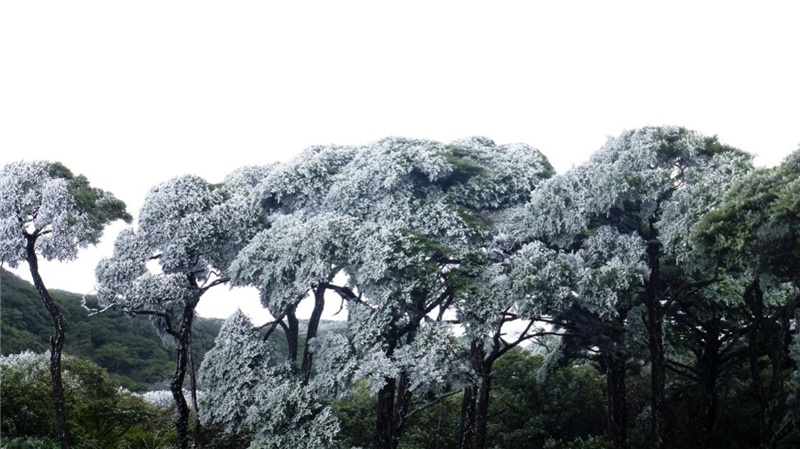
396, 219
187, 230
649, 185
754, 236
45, 209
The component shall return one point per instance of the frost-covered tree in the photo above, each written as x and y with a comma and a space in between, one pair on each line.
398, 219
187, 232
246, 394
47, 211
753, 237
630, 209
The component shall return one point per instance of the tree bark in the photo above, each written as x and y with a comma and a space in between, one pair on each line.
313, 326
708, 373
482, 408
617, 400
56, 342
193, 379
655, 326
475, 404
384, 426
613, 361
292, 332
468, 405
176, 386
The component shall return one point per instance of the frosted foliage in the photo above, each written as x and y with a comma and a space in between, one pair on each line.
288, 415
375, 368
231, 370
39, 197
163, 398
185, 229
543, 279
367, 325
396, 216
397, 196
335, 364
634, 175
516, 169
304, 180
240, 214
180, 221
612, 264
245, 393
431, 359
28, 366
556, 210
27, 362
295, 252
245, 179
388, 166
479, 305
702, 191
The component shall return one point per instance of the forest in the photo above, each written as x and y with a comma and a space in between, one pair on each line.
647, 298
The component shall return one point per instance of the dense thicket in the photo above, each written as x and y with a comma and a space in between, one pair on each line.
647, 298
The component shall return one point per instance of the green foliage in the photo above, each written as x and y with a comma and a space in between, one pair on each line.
99, 414
356, 416
527, 411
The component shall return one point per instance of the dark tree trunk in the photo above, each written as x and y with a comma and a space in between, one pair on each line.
708, 373
468, 405
402, 403
176, 386
614, 361
482, 409
475, 405
193, 379
384, 429
654, 321
313, 326
292, 332
617, 401
56, 342
394, 398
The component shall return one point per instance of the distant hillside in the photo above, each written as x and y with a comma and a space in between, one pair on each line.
127, 347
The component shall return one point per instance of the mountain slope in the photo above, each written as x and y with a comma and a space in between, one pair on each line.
128, 347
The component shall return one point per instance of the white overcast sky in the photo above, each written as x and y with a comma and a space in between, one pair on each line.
134, 93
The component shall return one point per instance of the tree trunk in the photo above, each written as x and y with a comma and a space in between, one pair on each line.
655, 327
617, 401
313, 326
292, 332
403, 394
482, 408
384, 429
468, 405
195, 405
475, 405
708, 371
176, 386
56, 343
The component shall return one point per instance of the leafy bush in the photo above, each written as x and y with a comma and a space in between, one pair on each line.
99, 414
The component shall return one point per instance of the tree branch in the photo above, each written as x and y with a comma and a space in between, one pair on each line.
431, 404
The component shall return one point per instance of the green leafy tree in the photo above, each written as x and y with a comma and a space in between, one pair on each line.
99, 415
47, 211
